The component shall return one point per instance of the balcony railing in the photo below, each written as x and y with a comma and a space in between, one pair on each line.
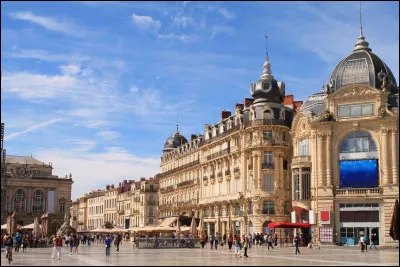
167, 189
219, 153
219, 174
121, 212
268, 166
193, 163
212, 176
151, 202
267, 122
236, 170
301, 159
148, 190
136, 199
228, 172
219, 136
186, 183
359, 191
135, 212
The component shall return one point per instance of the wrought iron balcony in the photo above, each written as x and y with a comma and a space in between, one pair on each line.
268, 166
228, 172
212, 176
236, 170
219, 174
219, 153
267, 122
186, 183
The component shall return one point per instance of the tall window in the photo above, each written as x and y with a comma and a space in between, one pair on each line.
268, 182
268, 157
303, 147
356, 110
228, 187
269, 207
213, 189
267, 135
268, 115
305, 183
237, 185
296, 184
219, 189
62, 206
250, 207
286, 208
19, 200
38, 201
237, 209
358, 142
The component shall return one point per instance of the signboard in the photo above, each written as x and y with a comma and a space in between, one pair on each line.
325, 217
311, 216
326, 234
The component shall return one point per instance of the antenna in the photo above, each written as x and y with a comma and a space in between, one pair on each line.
177, 125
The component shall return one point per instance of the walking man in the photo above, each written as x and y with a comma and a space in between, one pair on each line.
297, 243
269, 239
18, 240
373, 241
58, 243
117, 241
107, 241
216, 240
245, 246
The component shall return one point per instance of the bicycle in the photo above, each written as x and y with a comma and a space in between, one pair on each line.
9, 254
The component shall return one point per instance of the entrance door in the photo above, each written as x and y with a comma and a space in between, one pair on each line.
373, 233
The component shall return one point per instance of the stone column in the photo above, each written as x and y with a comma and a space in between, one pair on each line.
319, 158
395, 156
384, 154
328, 160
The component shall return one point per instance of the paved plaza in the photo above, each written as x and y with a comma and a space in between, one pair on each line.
95, 255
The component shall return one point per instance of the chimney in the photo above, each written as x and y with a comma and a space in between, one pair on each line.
288, 100
108, 187
142, 179
225, 114
192, 137
112, 186
239, 108
248, 102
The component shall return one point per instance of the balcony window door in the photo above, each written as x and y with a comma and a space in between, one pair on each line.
303, 147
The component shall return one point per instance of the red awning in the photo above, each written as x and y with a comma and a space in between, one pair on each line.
288, 225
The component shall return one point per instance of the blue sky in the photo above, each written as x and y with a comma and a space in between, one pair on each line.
94, 87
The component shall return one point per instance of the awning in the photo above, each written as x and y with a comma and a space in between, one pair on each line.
288, 225
168, 221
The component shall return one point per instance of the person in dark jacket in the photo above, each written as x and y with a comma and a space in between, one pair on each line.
297, 243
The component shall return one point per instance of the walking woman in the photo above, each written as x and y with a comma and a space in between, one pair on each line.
238, 247
245, 246
71, 243
230, 241
76, 245
24, 243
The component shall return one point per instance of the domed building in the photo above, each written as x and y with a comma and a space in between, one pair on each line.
345, 167
174, 141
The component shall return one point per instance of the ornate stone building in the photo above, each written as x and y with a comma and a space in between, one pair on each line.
123, 208
33, 190
239, 168
110, 205
95, 209
345, 175
144, 203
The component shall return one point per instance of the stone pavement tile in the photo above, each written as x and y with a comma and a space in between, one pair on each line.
95, 256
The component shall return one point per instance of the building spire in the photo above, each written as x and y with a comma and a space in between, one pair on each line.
267, 74
361, 44
177, 125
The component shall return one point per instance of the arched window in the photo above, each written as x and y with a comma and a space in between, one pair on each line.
19, 200
269, 207
268, 115
357, 142
38, 201
62, 204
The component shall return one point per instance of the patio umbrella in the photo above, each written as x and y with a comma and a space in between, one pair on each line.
178, 226
201, 225
193, 227
394, 226
36, 228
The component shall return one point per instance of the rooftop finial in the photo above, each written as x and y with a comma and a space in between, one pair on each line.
266, 42
361, 33
267, 66
361, 44
177, 125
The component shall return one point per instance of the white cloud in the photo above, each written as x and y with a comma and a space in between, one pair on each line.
45, 56
50, 23
184, 38
96, 170
134, 89
228, 15
109, 135
183, 21
146, 23
216, 29
32, 128
70, 70
81, 112
82, 144
185, 3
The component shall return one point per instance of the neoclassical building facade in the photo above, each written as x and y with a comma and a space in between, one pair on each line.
33, 190
345, 176
238, 170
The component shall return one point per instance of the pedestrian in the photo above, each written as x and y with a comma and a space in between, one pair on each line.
107, 241
66, 240
76, 244
269, 239
58, 244
238, 247
216, 240
212, 239
276, 239
366, 241
245, 246
230, 241
24, 243
297, 243
71, 243
373, 241
18, 241
117, 241
361, 242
